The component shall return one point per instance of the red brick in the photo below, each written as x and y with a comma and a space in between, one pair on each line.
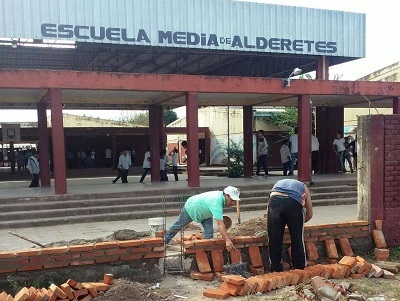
201, 276
140, 250
204, 242
232, 289
90, 255
28, 253
92, 290
235, 256
245, 289
55, 250
108, 279
360, 223
87, 298
158, 249
100, 286
260, 239
29, 268
312, 251
356, 276
257, 271
255, 256
217, 258
202, 262
62, 257
106, 245
219, 276
215, 293
234, 279
331, 249
188, 244
81, 248
381, 254
67, 290
6, 255
152, 241
104, 259
82, 262
123, 251
56, 264
154, 255
379, 239
22, 295
130, 257
58, 291
348, 261
130, 243
7, 270
81, 292
74, 284
345, 247
243, 239
344, 224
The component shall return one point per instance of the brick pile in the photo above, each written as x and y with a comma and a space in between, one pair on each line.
381, 251
80, 255
70, 290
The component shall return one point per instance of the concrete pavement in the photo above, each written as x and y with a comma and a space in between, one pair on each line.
89, 230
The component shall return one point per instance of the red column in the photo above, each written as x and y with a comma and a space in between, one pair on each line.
114, 154
57, 133
207, 151
155, 127
43, 135
248, 140
192, 128
304, 131
322, 70
396, 105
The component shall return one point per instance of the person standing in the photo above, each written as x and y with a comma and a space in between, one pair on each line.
163, 163
339, 149
262, 151
146, 165
123, 167
353, 146
289, 204
285, 157
174, 156
294, 147
202, 208
108, 157
314, 154
21, 161
34, 169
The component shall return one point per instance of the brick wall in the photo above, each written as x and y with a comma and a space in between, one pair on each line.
379, 173
81, 255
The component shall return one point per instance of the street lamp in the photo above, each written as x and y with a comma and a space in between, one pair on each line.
286, 81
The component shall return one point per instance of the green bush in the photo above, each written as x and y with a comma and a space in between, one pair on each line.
236, 160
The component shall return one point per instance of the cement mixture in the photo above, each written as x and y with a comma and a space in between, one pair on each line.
249, 228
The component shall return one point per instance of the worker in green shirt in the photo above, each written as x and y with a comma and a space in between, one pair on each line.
202, 208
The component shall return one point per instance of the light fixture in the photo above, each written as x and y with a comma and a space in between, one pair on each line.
286, 81
14, 44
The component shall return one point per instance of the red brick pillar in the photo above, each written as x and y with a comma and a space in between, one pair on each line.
322, 71
192, 128
248, 140
155, 127
43, 137
396, 105
304, 131
57, 133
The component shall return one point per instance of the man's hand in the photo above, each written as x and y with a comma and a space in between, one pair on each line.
229, 245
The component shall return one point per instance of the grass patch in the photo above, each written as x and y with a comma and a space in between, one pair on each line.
395, 254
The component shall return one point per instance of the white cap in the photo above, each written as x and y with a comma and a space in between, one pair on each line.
233, 192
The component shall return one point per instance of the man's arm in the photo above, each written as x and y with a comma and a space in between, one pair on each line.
308, 206
222, 230
334, 148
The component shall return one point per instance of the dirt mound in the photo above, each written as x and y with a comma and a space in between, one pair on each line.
249, 228
125, 234
126, 290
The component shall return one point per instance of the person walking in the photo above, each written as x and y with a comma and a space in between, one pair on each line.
124, 162
339, 149
314, 154
146, 165
353, 146
289, 204
163, 164
294, 147
347, 156
262, 151
285, 157
202, 208
34, 169
174, 154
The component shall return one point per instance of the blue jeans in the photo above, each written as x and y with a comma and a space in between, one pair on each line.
286, 167
341, 160
183, 220
294, 157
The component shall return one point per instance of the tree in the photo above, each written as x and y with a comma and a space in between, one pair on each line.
236, 160
287, 117
169, 116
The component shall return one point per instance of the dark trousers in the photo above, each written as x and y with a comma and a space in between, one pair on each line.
175, 171
262, 161
163, 176
286, 168
314, 161
123, 174
145, 172
284, 211
35, 181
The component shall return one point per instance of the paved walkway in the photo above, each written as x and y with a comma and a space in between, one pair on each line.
89, 230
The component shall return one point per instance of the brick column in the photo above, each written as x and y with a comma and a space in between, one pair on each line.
322, 70
248, 140
155, 127
192, 127
57, 133
43, 137
304, 130
396, 105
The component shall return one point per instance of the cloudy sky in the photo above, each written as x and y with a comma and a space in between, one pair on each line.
382, 47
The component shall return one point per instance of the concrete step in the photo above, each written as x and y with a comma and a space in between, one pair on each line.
97, 217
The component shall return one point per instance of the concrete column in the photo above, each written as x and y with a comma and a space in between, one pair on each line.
322, 70
329, 121
11, 157
192, 128
207, 154
304, 131
396, 105
57, 133
43, 135
248, 140
155, 128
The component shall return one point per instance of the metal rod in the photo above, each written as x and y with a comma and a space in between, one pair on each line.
27, 239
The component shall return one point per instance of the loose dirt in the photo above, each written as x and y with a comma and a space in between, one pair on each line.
249, 227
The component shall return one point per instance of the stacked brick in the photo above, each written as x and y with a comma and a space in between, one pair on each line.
381, 251
80, 255
71, 290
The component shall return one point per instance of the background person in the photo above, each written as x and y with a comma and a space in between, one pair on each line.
294, 148
202, 208
289, 204
34, 169
124, 162
285, 157
174, 156
339, 149
314, 154
262, 151
146, 165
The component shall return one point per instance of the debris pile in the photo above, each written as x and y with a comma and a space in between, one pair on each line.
249, 228
70, 290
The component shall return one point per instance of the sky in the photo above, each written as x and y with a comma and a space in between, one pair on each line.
382, 48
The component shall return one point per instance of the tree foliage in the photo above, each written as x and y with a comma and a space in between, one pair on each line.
169, 116
287, 117
142, 118
236, 160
